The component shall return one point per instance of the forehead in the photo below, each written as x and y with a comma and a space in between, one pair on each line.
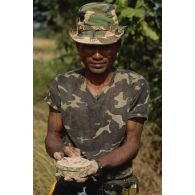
95, 46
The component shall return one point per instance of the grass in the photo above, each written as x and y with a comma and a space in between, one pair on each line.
44, 71
43, 164
46, 67
44, 49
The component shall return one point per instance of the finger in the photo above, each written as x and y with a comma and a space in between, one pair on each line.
77, 152
93, 168
68, 178
71, 151
80, 179
67, 150
58, 155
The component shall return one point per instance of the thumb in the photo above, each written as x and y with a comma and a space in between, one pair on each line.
93, 168
58, 155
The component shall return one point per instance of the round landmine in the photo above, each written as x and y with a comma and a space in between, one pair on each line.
73, 163
73, 168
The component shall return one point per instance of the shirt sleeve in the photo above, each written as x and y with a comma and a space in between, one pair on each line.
53, 96
139, 102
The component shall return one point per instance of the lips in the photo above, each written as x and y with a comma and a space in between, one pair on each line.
98, 62
97, 65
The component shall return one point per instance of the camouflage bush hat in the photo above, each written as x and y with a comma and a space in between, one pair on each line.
97, 23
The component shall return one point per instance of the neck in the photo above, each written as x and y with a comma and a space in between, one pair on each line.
99, 79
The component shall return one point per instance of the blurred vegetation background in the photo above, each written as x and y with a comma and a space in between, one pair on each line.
55, 53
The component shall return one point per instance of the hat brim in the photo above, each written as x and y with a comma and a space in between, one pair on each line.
109, 39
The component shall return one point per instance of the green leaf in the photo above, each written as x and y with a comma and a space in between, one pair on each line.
131, 12
109, 1
148, 31
123, 3
140, 3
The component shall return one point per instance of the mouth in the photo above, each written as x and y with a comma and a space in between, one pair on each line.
98, 64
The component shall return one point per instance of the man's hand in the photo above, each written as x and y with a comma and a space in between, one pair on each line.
67, 151
93, 168
72, 151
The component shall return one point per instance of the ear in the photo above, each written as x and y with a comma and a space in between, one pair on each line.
118, 46
78, 45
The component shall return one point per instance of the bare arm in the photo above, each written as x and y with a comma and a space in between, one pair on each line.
128, 150
53, 140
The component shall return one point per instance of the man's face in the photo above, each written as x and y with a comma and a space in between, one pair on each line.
98, 59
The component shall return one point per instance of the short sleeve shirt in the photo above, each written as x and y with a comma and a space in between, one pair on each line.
97, 125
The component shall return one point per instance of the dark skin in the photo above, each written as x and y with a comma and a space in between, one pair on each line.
98, 61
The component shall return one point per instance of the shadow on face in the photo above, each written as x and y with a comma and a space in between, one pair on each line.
98, 58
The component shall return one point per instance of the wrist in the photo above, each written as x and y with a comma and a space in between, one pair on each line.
100, 168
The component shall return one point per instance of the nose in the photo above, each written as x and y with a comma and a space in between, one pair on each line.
97, 55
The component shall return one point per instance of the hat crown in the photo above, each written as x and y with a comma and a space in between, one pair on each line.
97, 23
97, 14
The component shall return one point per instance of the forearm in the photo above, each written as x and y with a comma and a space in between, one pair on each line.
53, 143
121, 155
53, 140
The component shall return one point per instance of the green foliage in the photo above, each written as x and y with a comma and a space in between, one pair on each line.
48, 63
148, 31
45, 71
43, 32
131, 12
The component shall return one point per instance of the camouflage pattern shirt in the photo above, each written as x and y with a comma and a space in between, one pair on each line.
97, 125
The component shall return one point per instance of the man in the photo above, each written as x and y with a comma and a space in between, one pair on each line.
97, 111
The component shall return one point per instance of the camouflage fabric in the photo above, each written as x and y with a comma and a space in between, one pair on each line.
127, 186
97, 125
97, 24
